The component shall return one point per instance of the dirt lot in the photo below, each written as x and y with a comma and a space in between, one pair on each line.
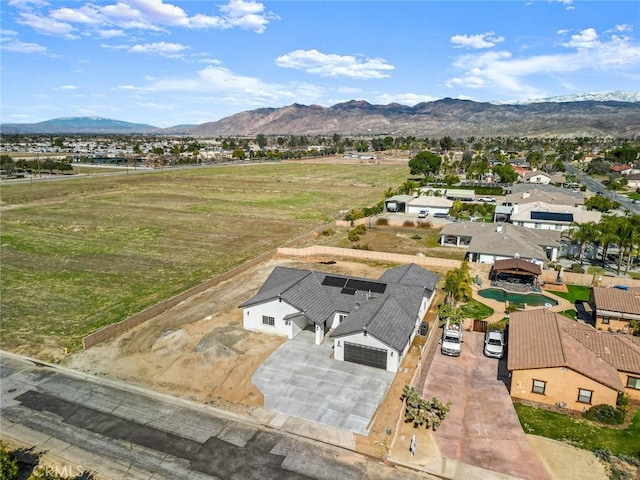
198, 349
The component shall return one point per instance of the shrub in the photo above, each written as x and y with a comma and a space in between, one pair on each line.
415, 236
8, 463
361, 229
603, 454
382, 221
623, 400
353, 235
576, 268
606, 414
426, 224
364, 246
408, 223
329, 232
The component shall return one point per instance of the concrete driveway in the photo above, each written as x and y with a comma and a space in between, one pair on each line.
482, 428
301, 379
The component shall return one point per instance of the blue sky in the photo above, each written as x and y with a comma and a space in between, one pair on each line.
169, 62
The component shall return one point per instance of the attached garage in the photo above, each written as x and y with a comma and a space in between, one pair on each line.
365, 355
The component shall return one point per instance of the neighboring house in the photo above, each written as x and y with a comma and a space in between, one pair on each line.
544, 216
614, 308
537, 177
633, 180
430, 203
623, 169
556, 361
373, 321
488, 242
397, 203
556, 196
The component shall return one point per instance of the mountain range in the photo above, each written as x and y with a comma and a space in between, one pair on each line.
593, 115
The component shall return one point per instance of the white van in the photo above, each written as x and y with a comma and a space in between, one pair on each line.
451, 343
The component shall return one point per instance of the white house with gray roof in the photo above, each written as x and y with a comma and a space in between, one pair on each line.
371, 322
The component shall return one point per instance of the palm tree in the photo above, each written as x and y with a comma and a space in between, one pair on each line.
457, 284
606, 235
583, 233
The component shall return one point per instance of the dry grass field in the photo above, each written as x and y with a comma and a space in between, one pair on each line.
82, 253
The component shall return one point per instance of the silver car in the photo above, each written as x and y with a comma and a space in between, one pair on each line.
494, 344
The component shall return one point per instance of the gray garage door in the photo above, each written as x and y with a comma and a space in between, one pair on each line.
364, 355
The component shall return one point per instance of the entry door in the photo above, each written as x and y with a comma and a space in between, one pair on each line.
365, 355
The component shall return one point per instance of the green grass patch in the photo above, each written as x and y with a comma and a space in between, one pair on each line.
86, 252
579, 432
569, 314
574, 293
594, 269
477, 310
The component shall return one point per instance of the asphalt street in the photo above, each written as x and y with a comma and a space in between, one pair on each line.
157, 436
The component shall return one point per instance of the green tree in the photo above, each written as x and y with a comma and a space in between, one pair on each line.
261, 140
506, 173
6, 163
600, 203
457, 284
238, 153
583, 233
425, 163
8, 464
446, 143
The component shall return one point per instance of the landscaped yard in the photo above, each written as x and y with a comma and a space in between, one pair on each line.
581, 433
82, 253
476, 310
574, 293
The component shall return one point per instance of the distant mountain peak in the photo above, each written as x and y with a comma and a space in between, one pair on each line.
606, 96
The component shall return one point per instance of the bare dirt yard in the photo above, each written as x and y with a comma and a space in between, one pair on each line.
198, 349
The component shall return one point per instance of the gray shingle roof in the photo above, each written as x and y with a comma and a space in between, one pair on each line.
388, 316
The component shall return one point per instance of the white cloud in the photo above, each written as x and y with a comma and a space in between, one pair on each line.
568, 4
110, 33
587, 38
481, 40
47, 26
502, 71
154, 15
331, 65
67, 87
623, 28
404, 98
158, 48
16, 46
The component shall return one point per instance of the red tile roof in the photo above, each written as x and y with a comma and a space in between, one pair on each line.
544, 339
617, 300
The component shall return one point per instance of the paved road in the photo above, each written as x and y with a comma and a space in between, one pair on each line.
140, 434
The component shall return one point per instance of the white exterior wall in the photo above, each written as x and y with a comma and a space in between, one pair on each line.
537, 225
490, 259
393, 357
297, 325
252, 317
541, 179
430, 210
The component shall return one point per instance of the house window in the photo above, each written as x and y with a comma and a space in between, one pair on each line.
539, 387
633, 382
268, 321
605, 320
341, 318
584, 396
537, 225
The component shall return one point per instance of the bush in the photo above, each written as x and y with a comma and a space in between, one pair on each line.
623, 400
382, 221
329, 232
415, 236
408, 223
576, 268
426, 224
603, 454
8, 463
353, 235
606, 414
361, 229
364, 246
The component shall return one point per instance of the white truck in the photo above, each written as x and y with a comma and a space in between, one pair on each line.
451, 339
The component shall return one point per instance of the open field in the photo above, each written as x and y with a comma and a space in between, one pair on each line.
83, 253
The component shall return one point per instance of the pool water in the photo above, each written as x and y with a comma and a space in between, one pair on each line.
535, 299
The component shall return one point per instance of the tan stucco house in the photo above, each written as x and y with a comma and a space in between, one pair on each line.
615, 307
556, 361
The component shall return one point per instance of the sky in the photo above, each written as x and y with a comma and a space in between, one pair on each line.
171, 62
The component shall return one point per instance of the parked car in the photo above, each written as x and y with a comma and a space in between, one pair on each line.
423, 214
636, 201
486, 199
440, 215
451, 342
423, 329
494, 344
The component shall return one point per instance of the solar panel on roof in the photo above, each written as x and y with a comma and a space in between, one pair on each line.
331, 281
348, 291
366, 286
552, 216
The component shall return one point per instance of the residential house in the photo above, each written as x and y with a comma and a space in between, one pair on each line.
430, 203
397, 203
623, 169
539, 193
544, 216
488, 242
633, 180
556, 361
615, 307
371, 322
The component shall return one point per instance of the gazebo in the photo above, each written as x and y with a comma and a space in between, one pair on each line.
515, 272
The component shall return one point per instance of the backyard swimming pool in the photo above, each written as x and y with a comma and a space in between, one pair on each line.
535, 299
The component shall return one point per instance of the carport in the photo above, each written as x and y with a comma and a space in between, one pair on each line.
301, 379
